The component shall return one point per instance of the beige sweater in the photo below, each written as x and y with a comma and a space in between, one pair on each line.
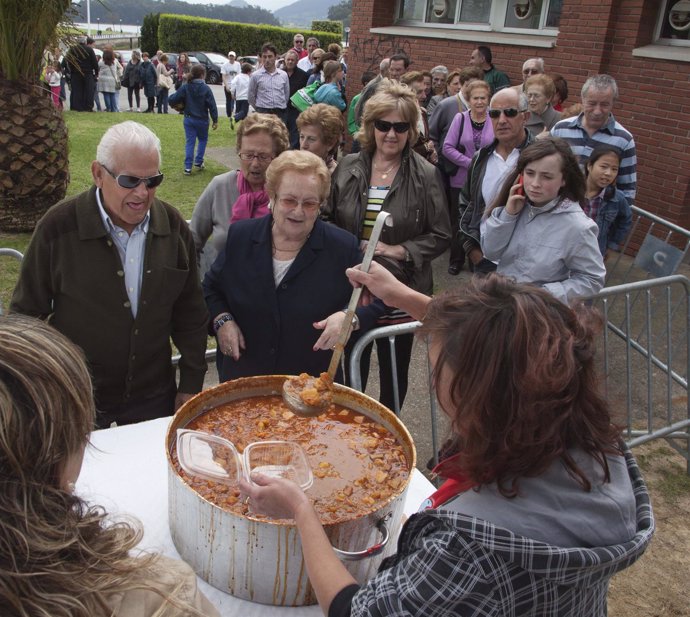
176, 582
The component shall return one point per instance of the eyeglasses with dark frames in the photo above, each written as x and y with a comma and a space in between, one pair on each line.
131, 182
250, 156
384, 126
511, 112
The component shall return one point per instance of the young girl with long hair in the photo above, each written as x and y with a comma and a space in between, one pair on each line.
536, 230
60, 555
542, 503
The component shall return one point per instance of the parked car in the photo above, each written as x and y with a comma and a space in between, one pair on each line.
212, 62
253, 60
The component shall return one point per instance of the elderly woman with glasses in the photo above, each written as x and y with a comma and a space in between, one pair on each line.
278, 291
539, 90
238, 194
388, 175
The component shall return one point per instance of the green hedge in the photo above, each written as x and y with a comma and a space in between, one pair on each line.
180, 32
328, 25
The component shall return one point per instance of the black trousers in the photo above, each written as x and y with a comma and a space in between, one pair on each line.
158, 406
83, 88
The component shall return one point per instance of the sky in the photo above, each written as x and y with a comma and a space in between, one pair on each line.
270, 5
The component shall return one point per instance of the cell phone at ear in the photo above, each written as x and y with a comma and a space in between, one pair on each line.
520, 190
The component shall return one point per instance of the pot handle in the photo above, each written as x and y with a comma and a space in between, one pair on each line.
372, 550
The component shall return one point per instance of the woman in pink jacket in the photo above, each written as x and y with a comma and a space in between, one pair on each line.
469, 131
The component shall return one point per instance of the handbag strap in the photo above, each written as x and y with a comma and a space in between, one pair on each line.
462, 127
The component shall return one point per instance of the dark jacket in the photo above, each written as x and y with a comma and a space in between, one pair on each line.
471, 202
416, 201
148, 77
614, 219
72, 275
198, 98
132, 76
277, 324
82, 60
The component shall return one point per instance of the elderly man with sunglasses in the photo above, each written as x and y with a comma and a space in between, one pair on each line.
509, 112
114, 269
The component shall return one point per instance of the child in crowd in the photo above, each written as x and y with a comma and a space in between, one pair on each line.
54, 77
239, 86
536, 230
604, 203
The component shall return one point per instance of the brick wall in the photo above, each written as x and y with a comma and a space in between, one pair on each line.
594, 36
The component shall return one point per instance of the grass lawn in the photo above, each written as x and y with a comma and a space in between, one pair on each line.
85, 131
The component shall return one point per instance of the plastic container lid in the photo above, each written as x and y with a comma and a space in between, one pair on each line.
208, 456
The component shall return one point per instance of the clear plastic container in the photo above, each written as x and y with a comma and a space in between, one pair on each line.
214, 458
280, 459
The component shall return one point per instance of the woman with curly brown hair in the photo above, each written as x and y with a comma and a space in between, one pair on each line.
60, 555
542, 502
320, 129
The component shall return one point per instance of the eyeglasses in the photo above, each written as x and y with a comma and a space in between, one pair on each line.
250, 156
291, 202
132, 182
384, 126
531, 72
511, 112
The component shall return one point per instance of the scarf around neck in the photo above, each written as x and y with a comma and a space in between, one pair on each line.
250, 204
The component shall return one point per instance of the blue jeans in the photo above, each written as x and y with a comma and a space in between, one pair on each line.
195, 128
163, 100
241, 110
110, 100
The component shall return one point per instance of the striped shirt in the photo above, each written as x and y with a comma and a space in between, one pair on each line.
612, 134
374, 203
269, 90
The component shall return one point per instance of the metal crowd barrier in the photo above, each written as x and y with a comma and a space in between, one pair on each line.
4, 252
653, 248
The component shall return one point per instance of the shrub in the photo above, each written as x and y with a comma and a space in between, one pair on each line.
181, 32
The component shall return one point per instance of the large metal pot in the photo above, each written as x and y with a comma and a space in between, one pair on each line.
261, 560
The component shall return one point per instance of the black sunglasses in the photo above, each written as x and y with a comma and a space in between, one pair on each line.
511, 112
132, 182
384, 126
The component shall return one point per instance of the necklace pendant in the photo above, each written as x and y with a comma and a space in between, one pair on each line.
384, 176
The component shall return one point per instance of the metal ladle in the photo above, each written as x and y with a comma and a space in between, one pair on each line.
291, 395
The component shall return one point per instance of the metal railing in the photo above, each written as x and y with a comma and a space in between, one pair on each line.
14, 254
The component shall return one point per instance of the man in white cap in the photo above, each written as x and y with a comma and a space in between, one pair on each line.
229, 70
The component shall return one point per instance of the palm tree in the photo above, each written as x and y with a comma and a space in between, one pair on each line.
33, 136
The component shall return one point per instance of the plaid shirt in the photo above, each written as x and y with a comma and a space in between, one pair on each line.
451, 564
591, 206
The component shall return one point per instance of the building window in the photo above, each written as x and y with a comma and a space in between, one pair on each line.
674, 23
497, 15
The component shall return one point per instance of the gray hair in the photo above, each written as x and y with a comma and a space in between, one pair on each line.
384, 65
439, 69
130, 135
136, 54
538, 61
313, 39
600, 82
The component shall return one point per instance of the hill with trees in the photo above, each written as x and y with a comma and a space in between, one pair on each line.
133, 12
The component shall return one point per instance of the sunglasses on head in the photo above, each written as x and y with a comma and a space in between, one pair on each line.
511, 112
132, 182
384, 126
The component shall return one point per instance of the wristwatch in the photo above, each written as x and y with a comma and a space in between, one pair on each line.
224, 318
355, 320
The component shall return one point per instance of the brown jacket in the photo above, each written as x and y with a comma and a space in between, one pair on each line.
72, 275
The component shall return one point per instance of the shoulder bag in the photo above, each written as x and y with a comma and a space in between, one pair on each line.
448, 167
304, 98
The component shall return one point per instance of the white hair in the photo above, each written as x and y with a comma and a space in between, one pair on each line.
539, 62
129, 135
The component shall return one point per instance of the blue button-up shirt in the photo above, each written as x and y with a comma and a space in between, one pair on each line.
130, 247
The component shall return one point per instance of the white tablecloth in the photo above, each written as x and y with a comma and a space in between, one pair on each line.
125, 471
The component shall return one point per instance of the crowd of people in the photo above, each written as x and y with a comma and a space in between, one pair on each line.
542, 502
